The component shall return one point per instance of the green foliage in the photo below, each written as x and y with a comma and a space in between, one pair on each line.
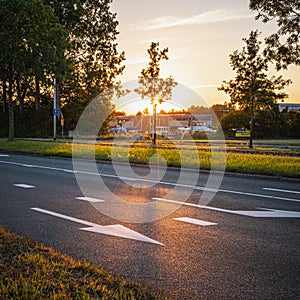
32, 45
267, 123
151, 85
282, 46
32, 39
251, 89
251, 81
92, 31
235, 120
200, 135
290, 124
75, 41
198, 109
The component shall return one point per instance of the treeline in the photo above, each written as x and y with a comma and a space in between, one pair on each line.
73, 41
268, 122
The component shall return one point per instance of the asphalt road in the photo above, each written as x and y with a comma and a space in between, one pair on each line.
244, 245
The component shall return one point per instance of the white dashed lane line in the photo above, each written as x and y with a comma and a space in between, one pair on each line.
24, 185
195, 221
89, 199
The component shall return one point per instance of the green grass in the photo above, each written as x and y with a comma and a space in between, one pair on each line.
248, 162
264, 164
30, 270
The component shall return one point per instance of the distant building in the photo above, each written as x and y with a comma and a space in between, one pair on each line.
289, 106
167, 124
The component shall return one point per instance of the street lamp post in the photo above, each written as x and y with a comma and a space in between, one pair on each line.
154, 103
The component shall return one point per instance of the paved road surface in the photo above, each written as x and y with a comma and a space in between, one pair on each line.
231, 250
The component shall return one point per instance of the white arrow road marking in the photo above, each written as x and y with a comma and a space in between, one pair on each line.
121, 231
114, 230
265, 213
195, 221
284, 191
89, 199
24, 185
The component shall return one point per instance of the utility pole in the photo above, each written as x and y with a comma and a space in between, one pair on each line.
251, 117
54, 110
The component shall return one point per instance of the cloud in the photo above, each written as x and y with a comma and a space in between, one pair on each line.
220, 15
136, 61
205, 86
145, 60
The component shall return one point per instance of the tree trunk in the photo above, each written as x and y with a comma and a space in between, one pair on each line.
4, 96
20, 99
11, 133
37, 94
251, 122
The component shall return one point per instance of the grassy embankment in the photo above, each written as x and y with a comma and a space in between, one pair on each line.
250, 163
30, 270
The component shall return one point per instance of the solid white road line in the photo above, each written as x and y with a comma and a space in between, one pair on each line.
114, 230
36, 166
158, 182
24, 185
195, 221
4, 155
89, 199
284, 191
264, 213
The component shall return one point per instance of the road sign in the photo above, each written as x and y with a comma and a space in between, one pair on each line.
242, 133
55, 112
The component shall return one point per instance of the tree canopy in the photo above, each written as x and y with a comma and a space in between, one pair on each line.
252, 89
32, 45
151, 85
73, 40
251, 81
282, 46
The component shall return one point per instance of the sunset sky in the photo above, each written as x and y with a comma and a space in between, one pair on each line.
200, 36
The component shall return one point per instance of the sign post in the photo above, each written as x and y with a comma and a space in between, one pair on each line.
62, 123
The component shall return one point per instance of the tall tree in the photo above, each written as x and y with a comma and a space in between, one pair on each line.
92, 33
32, 44
76, 42
282, 46
252, 89
152, 86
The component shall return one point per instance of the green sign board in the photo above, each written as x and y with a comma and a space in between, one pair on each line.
242, 133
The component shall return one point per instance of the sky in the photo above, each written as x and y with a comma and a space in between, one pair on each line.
200, 36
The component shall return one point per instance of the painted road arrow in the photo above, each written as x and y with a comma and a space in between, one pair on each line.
114, 230
263, 213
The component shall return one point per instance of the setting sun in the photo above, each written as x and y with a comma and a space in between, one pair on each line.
200, 37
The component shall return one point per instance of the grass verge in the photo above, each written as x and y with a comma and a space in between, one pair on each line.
30, 270
250, 163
